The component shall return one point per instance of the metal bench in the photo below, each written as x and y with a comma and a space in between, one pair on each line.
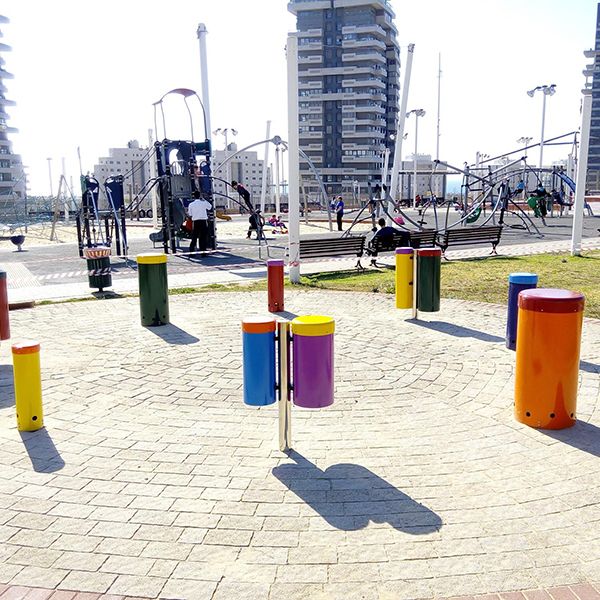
332, 247
387, 243
472, 235
426, 238
16, 239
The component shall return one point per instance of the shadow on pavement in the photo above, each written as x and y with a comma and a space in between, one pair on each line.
583, 436
348, 496
7, 388
588, 367
173, 335
286, 314
456, 330
43, 454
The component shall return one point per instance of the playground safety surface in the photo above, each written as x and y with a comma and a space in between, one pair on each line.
152, 479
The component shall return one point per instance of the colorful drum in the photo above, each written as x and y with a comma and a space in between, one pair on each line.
517, 282
404, 277
547, 360
429, 268
154, 289
4, 307
313, 361
28, 386
258, 352
275, 285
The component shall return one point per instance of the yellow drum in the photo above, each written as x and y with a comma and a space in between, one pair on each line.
28, 386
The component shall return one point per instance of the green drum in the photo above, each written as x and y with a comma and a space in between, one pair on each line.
154, 289
429, 266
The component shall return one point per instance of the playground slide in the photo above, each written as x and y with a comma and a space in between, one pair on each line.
567, 180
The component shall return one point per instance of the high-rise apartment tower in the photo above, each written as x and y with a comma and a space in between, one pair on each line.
593, 173
348, 80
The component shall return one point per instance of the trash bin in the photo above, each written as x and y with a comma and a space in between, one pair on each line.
4, 307
258, 352
429, 267
517, 282
275, 285
547, 358
312, 348
404, 277
28, 386
154, 289
98, 265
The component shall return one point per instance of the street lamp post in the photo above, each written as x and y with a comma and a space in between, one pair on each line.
418, 112
50, 176
225, 132
547, 90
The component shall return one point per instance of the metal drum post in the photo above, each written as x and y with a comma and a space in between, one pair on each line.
4, 308
285, 407
428, 277
275, 285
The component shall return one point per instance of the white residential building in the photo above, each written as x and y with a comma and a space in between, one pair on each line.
431, 178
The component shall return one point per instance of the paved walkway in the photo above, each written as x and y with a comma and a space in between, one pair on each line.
152, 479
24, 287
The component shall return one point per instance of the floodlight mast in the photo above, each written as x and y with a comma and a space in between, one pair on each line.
547, 90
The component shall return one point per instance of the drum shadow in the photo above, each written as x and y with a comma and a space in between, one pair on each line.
456, 330
348, 496
7, 386
43, 454
285, 314
583, 436
589, 367
173, 335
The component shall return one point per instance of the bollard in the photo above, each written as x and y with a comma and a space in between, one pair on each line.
429, 264
28, 386
517, 282
4, 317
98, 265
154, 289
404, 277
275, 285
547, 359
258, 351
313, 361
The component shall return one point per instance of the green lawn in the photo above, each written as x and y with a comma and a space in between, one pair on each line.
485, 280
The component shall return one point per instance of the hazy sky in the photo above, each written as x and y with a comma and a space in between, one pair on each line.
87, 73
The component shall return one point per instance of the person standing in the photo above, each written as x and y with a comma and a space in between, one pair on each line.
339, 212
198, 211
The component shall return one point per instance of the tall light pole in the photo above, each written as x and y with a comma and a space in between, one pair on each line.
50, 176
418, 112
201, 33
525, 141
547, 90
225, 132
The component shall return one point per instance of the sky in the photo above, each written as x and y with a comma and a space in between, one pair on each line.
86, 73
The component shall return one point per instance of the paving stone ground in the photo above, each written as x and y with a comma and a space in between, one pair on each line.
152, 479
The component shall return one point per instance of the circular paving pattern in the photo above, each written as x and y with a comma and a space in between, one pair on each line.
153, 479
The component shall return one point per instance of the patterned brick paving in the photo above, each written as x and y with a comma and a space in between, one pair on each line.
152, 480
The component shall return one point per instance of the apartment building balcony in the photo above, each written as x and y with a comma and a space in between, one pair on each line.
374, 29
380, 110
317, 59
349, 44
368, 121
362, 57
312, 135
315, 44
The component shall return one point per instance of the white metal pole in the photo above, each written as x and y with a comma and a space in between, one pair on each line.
50, 176
400, 132
415, 161
277, 183
542, 137
294, 159
65, 197
384, 171
201, 33
263, 188
154, 192
584, 142
437, 144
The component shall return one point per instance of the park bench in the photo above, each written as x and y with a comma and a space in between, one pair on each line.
389, 243
471, 235
16, 239
332, 247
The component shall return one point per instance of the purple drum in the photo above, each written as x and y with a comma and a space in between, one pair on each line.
313, 361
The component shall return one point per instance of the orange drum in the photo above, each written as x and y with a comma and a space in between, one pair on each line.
547, 367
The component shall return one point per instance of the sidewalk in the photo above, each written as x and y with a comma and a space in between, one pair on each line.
25, 288
151, 478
